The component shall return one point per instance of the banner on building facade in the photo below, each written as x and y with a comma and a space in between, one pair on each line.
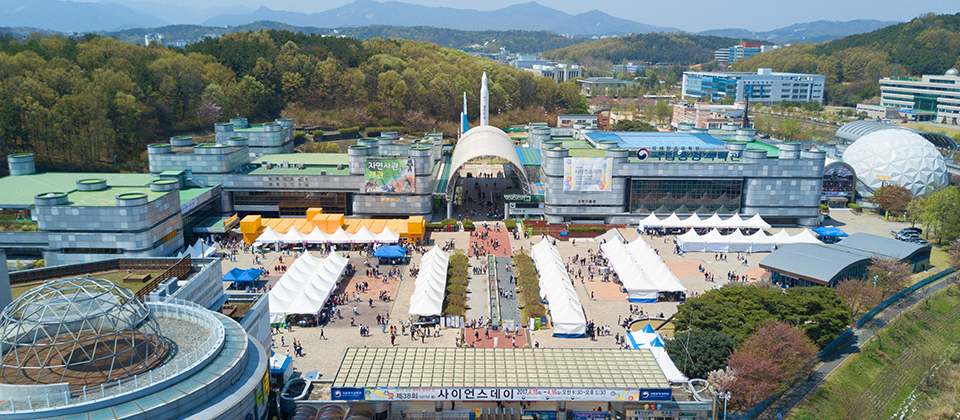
501, 394
587, 174
392, 176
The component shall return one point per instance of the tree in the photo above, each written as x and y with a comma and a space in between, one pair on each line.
632, 125
790, 129
697, 352
939, 212
889, 274
209, 112
859, 295
663, 112
767, 361
953, 253
892, 198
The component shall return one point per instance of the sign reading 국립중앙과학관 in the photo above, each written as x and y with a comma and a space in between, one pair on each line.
515, 394
392, 176
587, 174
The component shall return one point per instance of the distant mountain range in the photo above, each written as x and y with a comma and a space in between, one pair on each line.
527, 16
819, 31
114, 15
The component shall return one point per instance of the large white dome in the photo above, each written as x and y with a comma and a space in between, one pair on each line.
897, 156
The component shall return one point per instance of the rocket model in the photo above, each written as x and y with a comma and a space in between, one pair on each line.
484, 101
464, 125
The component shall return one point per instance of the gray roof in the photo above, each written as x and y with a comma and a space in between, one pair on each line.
814, 262
852, 131
888, 247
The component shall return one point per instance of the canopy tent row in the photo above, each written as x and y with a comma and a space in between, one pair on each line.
713, 241
306, 285
654, 267
431, 283
638, 286
198, 250
566, 312
694, 221
317, 236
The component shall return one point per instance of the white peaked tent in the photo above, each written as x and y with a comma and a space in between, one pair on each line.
671, 221
734, 222
269, 236
317, 236
363, 236
427, 298
690, 242
737, 242
805, 237
198, 250
387, 236
566, 312
654, 267
761, 242
340, 236
651, 340
713, 221
781, 238
639, 287
306, 285
650, 221
293, 236
692, 221
713, 241
757, 222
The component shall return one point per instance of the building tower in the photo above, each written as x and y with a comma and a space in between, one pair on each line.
484, 101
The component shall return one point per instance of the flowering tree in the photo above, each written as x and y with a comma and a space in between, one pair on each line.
889, 274
209, 111
860, 296
767, 362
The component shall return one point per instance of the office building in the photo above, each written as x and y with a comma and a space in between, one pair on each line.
764, 86
929, 98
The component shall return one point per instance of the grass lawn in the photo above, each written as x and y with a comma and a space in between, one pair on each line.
115, 277
900, 370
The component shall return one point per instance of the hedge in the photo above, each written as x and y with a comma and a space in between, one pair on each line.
823, 207
318, 133
468, 224
855, 206
349, 130
298, 134
379, 130
599, 229
457, 288
459, 281
434, 226
510, 224
534, 310
455, 299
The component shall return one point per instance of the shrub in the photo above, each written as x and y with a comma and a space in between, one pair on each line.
349, 130
455, 300
534, 310
454, 310
458, 289
456, 271
318, 134
434, 226
510, 224
599, 229
299, 134
823, 207
458, 281
855, 206
377, 131
468, 224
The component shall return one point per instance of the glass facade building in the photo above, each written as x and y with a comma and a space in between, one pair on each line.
763, 86
930, 98
685, 196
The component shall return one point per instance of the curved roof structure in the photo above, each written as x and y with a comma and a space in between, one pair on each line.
485, 141
899, 157
852, 132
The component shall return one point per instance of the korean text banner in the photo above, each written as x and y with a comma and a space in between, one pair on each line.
389, 176
587, 174
512, 394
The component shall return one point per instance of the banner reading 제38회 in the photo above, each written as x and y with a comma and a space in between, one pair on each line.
389, 176
587, 174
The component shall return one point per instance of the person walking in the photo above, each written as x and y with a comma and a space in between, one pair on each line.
393, 338
321, 334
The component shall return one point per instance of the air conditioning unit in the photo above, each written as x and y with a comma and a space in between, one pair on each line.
323, 172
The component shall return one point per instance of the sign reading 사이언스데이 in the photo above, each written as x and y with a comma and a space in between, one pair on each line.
503, 394
392, 176
587, 174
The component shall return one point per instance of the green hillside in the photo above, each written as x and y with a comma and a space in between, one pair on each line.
674, 48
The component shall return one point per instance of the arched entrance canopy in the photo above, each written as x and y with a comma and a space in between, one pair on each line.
485, 141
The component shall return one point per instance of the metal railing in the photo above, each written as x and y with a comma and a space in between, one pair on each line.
177, 308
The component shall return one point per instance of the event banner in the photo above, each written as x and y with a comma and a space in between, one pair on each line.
587, 174
389, 176
512, 394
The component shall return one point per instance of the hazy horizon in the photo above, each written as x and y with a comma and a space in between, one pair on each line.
755, 15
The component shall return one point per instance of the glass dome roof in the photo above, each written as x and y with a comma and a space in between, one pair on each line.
80, 331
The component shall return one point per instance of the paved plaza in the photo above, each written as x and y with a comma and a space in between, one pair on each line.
605, 308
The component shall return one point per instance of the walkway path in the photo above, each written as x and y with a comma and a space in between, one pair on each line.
509, 302
793, 397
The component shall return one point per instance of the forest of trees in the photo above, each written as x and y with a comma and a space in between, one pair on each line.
854, 64
674, 48
85, 104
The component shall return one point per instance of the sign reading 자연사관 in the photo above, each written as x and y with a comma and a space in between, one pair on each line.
587, 174
389, 176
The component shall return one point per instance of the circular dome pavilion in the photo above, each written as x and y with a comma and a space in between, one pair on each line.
80, 331
897, 157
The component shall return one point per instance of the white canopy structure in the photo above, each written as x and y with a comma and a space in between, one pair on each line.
566, 312
198, 250
387, 236
639, 287
269, 236
317, 236
654, 267
713, 241
363, 236
653, 341
306, 285
340, 237
293, 236
427, 298
695, 221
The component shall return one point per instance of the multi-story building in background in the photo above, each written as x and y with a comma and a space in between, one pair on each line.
764, 86
932, 97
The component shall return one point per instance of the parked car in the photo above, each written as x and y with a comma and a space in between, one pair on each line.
918, 241
912, 229
906, 236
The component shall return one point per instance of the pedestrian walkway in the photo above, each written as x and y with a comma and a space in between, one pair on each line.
509, 302
488, 338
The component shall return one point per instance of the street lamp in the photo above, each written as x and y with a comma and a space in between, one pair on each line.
725, 396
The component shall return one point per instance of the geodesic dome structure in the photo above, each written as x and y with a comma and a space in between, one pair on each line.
897, 157
80, 331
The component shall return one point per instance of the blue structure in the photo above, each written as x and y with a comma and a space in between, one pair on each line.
634, 140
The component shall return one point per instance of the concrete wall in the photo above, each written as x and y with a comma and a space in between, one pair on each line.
206, 286
257, 320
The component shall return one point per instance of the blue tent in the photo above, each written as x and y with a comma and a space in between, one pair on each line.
390, 251
830, 232
250, 275
233, 275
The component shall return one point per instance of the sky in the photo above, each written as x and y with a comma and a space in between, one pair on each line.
687, 15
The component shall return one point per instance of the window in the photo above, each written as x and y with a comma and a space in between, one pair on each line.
685, 196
